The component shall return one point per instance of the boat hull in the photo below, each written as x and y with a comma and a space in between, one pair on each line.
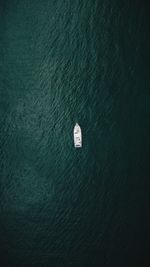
77, 136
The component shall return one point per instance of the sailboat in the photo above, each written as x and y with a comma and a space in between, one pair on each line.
77, 136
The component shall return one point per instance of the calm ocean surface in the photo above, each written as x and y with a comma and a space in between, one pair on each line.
63, 62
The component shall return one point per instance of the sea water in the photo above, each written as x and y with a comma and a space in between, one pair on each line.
62, 62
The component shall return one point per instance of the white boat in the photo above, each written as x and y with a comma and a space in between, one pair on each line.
77, 135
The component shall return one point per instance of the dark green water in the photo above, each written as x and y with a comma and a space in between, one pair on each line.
62, 62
